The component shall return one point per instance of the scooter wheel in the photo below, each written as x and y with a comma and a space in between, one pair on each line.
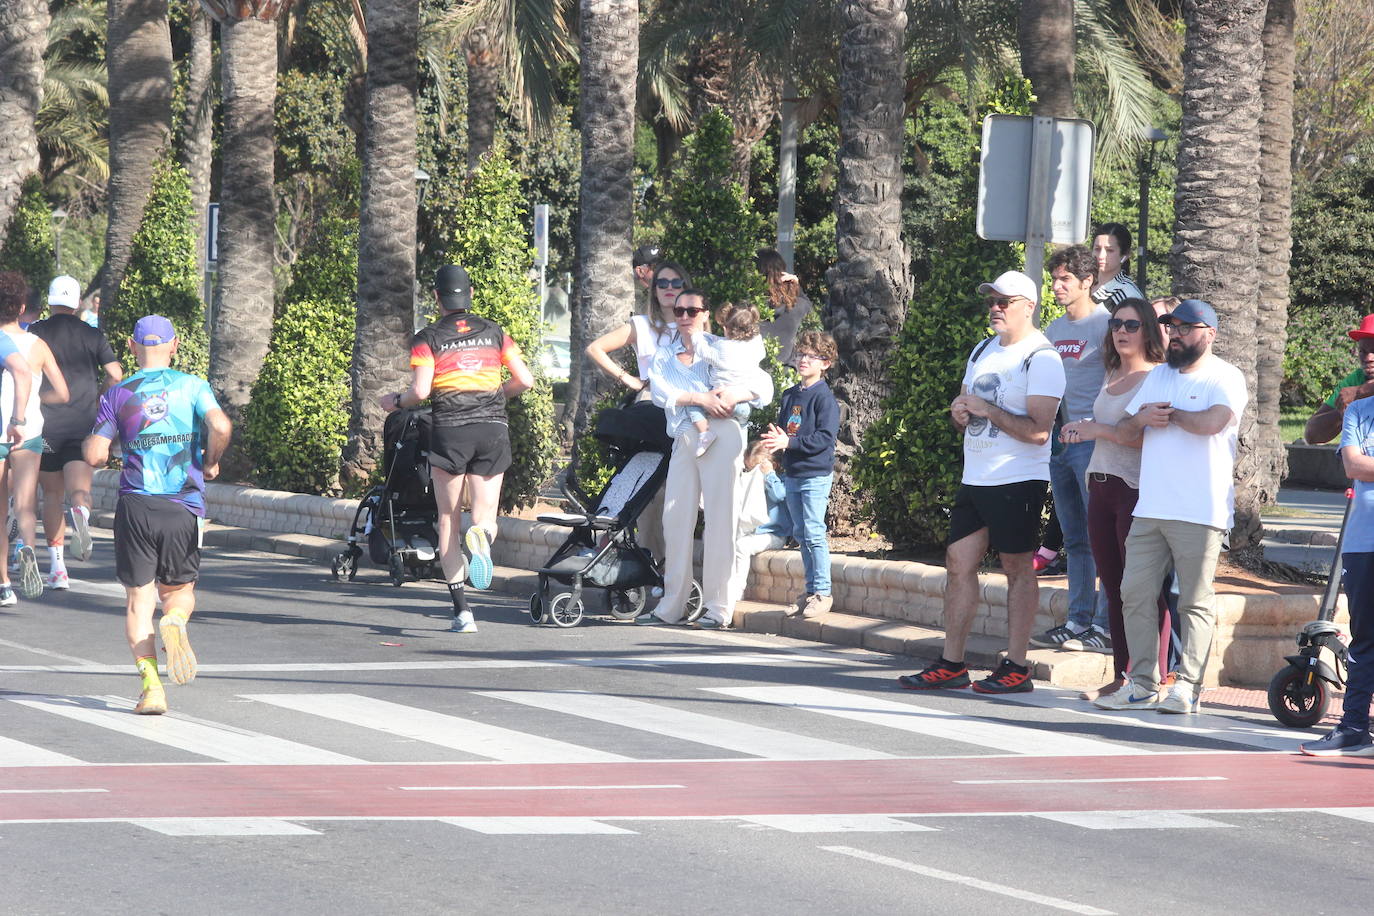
1298, 698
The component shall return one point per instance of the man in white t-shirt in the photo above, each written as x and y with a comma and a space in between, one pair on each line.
1006, 408
1187, 412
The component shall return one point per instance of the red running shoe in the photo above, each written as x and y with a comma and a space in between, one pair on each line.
1008, 678
938, 675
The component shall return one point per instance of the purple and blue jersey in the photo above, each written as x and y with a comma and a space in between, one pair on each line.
158, 416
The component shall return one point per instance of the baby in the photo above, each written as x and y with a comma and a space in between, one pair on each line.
734, 360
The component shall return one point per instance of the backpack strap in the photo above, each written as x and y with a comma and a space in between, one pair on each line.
978, 350
1025, 364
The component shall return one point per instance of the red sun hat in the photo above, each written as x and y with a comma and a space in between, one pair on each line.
1365, 330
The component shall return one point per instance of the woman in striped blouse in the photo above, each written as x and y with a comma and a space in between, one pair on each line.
679, 379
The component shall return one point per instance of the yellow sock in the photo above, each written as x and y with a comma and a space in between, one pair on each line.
147, 669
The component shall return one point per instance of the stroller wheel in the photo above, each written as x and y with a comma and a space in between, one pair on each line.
397, 567
536, 608
345, 566
1298, 698
629, 603
564, 612
695, 606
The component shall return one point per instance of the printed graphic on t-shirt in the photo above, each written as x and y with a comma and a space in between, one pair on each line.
1071, 349
794, 421
987, 386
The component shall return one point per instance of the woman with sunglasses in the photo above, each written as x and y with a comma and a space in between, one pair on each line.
678, 379
1133, 346
646, 332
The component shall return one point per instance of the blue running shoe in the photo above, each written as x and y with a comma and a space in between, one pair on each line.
479, 564
1341, 742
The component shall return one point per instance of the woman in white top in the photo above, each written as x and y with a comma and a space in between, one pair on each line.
23, 458
1134, 345
645, 333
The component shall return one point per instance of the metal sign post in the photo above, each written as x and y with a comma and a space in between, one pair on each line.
541, 252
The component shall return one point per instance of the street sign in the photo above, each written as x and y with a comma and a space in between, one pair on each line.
541, 235
211, 236
1006, 179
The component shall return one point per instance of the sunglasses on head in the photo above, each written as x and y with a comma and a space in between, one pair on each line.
1130, 324
665, 283
687, 311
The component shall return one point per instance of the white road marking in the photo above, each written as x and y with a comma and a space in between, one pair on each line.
530, 788
77, 660
768, 743
1031, 739
1051, 782
549, 826
222, 826
18, 754
467, 735
835, 823
220, 742
1130, 820
47, 791
86, 586
976, 883
1354, 814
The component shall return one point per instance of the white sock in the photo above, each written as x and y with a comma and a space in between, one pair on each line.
55, 557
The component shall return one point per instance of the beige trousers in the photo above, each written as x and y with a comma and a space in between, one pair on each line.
710, 481
1152, 547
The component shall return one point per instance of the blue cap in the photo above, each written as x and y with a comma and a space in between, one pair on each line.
1194, 311
152, 330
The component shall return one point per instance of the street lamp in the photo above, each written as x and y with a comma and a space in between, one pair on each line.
1148, 164
59, 220
419, 304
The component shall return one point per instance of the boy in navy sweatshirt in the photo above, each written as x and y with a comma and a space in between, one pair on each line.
809, 422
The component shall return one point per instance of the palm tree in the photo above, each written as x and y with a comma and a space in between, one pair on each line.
870, 285
605, 289
1217, 197
386, 237
1044, 32
242, 318
195, 152
139, 57
23, 39
76, 104
1275, 236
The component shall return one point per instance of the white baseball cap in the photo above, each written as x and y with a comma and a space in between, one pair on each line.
1011, 283
64, 291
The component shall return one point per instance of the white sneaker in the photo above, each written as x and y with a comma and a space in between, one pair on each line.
1132, 698
1182, 699
81, 533
464, 623
58, 580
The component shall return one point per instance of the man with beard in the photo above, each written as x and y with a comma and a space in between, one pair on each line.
1186, 414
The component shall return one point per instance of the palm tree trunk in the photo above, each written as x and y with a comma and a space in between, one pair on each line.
870, 285
386, 238
247, 238
606, 286
1216, 201
195, 151
1275, 237
139, 57
1044, 32
483, 86
23, 39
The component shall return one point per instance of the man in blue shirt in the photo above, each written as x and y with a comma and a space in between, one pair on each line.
172, 433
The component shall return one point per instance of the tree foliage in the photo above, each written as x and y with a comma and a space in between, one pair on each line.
1333, 236
29, 242
490, 238
163, 277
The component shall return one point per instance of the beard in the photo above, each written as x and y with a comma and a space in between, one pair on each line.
1182, 355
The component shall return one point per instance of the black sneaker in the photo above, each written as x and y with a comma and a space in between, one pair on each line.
1008, 678
1341, 742
1090, 640
938, 675
1053, 638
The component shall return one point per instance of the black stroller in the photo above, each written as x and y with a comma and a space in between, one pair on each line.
398, 517
601, 551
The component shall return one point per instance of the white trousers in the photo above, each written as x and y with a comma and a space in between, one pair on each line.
746, 546
710, 481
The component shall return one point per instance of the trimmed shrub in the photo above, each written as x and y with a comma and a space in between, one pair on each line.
489, 236
911, 460
162, 277
296, 422
1333, 237
29, 242
1318, 354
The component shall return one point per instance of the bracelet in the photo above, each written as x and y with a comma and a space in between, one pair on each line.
17, 421
397, 400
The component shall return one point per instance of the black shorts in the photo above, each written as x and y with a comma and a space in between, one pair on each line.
57, 454
476, 448
1010, 511
155, 538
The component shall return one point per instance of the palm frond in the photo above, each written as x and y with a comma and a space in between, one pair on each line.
1124, 111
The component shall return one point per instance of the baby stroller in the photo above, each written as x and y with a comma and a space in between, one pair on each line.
398, 517
601, 550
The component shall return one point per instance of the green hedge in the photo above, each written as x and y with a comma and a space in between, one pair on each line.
1318, 354
29, 241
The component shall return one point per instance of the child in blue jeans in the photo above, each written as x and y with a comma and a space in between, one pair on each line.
810, 421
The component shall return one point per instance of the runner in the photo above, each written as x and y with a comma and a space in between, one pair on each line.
14, 290
83, 354
458, 360
172, 433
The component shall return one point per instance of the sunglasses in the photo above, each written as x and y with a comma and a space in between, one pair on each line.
1130, 324
1001, 302
687, 311
665, 283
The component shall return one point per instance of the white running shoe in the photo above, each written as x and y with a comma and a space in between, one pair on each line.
58, 580
464, 623
1181, 699
81, 533
1127, 698
30, 579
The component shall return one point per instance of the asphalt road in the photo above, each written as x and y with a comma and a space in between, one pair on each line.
341, 752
